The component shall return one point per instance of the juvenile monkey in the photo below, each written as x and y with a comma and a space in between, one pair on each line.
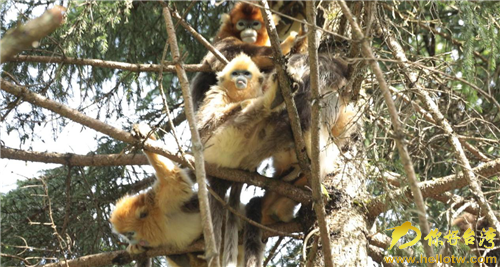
165, 215
277, 141
242, 31
239, 88
243, 134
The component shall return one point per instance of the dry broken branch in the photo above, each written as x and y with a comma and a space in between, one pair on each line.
315, 181
27, 36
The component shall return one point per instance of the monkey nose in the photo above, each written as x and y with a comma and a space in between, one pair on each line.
241, 84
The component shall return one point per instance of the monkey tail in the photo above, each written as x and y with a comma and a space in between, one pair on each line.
252, 239
216, 208
231, 233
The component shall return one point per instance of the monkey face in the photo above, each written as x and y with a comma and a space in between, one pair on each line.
248, 30
136, 221
241, 78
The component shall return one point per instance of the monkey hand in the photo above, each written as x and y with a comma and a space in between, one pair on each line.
288, 43
142, 130
246, 103
293, 174
135, 249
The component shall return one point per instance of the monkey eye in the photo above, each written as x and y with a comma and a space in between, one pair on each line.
143, 215
240, 25
247, 74
256, 25
234, 73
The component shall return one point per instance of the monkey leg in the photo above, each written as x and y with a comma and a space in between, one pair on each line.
345, 119
278, 208
288, 43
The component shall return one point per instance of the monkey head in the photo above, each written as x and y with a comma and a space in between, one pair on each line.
139, 221
241, 79
245, 22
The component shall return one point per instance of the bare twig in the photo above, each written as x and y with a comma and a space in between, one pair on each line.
398, 129
165, 104
272, 252
429, 119
432, 188
453, 139
425, 25
315, 181
201, 39
24, 36
59, 238
211, 252
111, 64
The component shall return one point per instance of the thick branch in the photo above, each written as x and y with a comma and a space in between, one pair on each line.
280, 187
211, 251
74, 159
122, 257
284, 85
432, 188
398, 129
110, 64
26, 36
440, 120
319, 204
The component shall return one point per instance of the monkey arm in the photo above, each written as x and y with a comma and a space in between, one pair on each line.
214, 111
173, 186
230, 47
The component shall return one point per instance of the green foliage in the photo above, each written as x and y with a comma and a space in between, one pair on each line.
453, 62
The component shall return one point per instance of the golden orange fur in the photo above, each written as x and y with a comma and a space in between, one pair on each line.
247, 12
225, 97
254, 87
225, 143
155, 218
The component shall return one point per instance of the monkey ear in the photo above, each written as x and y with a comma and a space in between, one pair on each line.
224, 17
261, 79
276, 19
